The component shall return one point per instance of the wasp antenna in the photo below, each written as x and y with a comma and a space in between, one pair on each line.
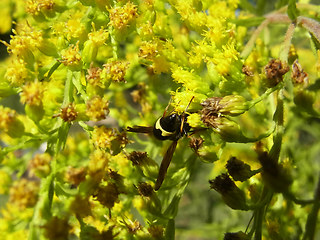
167, 107
183, 116
189, 104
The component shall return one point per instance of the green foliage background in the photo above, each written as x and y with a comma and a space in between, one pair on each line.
74, 75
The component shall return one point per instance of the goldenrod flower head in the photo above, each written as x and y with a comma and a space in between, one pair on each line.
80, 206
223, 10
17, 73
108, 195
189, 79
40, 165
57, 228
156, 231
145, 189
196, 19
149, 50
98, 37
10, 123
34, 7
91, 46
24, 193
68, 113
97, 108
94, 77
24, 41
160, 65
275, 70
115, 70
231, 105
231, 194
74, 27
122, 16
224, 58
194, 120
75, 175
32, 94
71, 56
103, 136
145, 30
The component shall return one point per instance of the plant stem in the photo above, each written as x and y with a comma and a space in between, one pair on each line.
312, 217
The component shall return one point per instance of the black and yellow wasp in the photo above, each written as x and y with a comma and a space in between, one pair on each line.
171, 127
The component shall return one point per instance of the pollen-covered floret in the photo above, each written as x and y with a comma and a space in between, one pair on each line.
97, 108
32, 94
122, 16
24, 193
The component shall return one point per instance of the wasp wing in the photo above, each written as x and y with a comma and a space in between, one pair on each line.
140, 129
165, 164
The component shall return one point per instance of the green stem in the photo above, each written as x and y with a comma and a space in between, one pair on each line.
285, 48
265, 95
259, 213
313, 215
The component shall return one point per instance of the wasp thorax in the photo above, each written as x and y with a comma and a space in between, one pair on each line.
171, 127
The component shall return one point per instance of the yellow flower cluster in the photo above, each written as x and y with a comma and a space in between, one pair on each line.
122, 16
24, 193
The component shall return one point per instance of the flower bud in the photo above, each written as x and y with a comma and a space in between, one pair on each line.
9, 123
228, 130
275, 70
206, 153
232, 105
141, 160
239, 170
89, 52
231, 194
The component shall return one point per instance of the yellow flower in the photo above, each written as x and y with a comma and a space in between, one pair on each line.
40, 165
97, 108
68, 113
17, 73
71, 56
194, 120
102, 137
98, 37
34, 7
74, 26
24, 193
122, 16
10, 123
115, 70
32, 94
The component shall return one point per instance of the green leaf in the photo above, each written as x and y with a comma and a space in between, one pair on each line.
62, 190
292, 10
315, 41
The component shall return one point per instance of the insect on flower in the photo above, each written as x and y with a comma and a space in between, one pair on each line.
171, 127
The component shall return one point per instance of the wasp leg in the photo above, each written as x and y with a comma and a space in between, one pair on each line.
165, 164
140, 129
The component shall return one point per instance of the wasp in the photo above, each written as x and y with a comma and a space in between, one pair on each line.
171, 127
